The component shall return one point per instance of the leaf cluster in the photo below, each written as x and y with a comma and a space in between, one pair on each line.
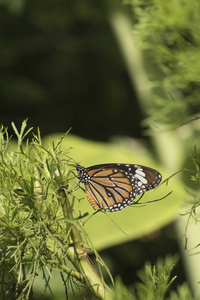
37, 225
154, 284
167, 33
31, 238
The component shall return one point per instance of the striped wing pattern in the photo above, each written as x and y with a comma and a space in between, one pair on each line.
114, 186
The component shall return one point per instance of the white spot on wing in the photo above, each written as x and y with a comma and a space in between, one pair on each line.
140, 172
141, 178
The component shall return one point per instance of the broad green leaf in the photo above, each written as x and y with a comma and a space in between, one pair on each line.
109, 229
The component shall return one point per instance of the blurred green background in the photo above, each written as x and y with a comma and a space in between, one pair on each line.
61, 67
125, 77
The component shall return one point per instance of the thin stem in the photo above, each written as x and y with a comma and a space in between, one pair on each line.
78, 255
71, 272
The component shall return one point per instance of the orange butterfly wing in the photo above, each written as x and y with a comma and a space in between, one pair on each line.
108, 189
115, 186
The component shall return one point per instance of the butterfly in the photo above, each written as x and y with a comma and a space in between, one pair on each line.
115, 186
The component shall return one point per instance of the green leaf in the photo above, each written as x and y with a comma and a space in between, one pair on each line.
108, 229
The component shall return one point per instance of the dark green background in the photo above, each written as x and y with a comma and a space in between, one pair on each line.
61, 67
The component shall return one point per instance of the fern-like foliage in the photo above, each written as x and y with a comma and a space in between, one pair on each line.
155, 283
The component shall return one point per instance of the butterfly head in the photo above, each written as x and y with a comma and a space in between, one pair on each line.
82, 174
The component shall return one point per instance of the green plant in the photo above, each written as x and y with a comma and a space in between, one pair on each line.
166, 34
155, 282
40, 231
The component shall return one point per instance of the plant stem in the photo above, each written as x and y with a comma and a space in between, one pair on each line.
78, 255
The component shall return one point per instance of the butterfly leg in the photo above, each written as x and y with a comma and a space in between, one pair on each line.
139, 198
